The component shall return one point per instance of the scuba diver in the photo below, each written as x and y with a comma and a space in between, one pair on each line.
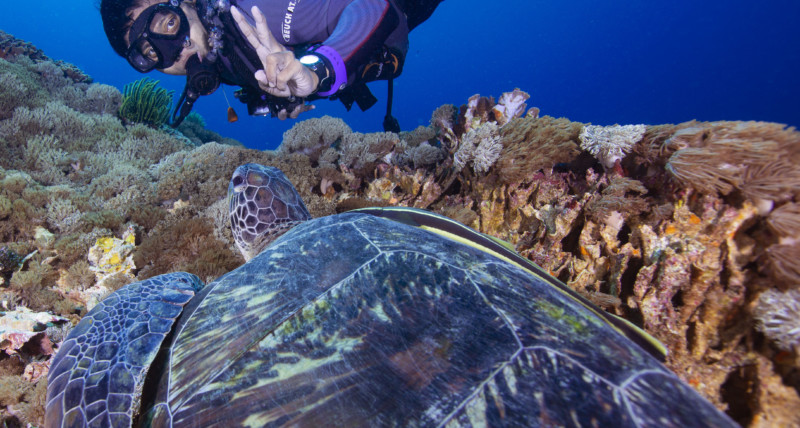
281, 53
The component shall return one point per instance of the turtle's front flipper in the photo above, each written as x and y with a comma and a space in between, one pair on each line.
97, 376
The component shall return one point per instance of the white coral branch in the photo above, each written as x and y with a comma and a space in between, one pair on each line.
778, 316
481, 146
609, 144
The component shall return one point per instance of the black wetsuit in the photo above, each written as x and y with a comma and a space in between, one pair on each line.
371, 36
356, 29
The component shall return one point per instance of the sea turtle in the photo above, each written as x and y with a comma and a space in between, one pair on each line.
377, 317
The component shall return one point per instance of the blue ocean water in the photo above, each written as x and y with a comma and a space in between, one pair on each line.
599, 62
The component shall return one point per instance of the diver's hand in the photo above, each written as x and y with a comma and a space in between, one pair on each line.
283, 74
283, 114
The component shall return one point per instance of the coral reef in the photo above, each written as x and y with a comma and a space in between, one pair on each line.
26, 344
311, 137
194, 128
689, 230
756, 158
610, 144
535, 143
510, 105
480, 146
112, 257
9, 260
11, 46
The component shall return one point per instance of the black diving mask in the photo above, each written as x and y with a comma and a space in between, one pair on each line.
158, 36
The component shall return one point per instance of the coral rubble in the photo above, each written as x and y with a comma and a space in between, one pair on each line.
690, 230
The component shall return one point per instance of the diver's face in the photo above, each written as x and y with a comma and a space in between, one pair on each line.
167, 22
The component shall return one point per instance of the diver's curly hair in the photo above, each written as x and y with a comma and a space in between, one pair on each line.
117, 21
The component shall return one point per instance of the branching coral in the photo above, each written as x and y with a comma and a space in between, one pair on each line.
5, 207
24, 400
19, 87
34, 287
44, 158
121, 179
143, 101
79, 276
202, 173
11, 46
31, 82
218, 213
609, 144
59, 135
63, 215
778, 317
140, 146
11, 90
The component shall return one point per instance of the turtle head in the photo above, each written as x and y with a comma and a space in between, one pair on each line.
263, 206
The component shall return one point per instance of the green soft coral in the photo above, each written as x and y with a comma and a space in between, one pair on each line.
143, 101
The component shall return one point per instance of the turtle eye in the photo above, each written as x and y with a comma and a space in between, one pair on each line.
237, 181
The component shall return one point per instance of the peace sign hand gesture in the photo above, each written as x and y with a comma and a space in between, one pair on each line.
283, 74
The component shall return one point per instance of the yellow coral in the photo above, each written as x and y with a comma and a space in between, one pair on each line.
110, 256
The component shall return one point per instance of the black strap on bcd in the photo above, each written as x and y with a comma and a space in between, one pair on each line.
390, 123
357, 93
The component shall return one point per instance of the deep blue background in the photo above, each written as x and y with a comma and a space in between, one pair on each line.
599, 62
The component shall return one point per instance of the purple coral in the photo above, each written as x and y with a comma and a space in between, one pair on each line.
776, 315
